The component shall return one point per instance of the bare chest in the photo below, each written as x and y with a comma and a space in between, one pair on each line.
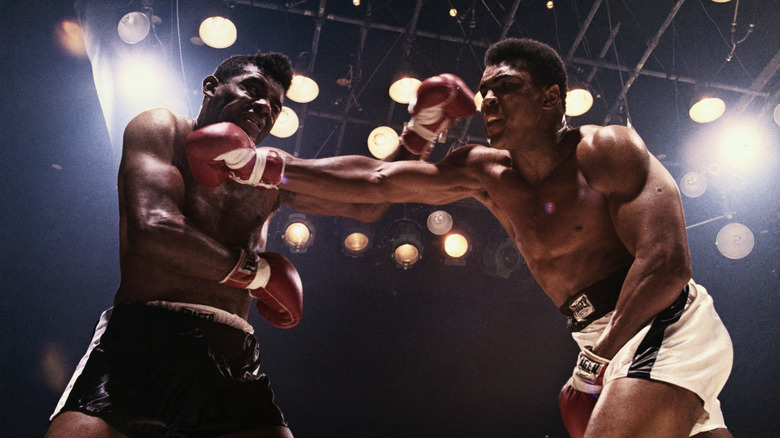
233, 214
555, 223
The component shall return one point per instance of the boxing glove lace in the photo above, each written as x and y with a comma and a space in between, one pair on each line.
438, 103
222, 151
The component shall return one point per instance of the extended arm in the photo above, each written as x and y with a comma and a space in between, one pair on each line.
647, 213
359, 179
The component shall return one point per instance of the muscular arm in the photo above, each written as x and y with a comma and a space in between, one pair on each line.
151, 192
647, 214
362, 180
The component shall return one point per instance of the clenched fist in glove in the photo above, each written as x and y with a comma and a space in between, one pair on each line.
438, 103
580, 393
274, 281
223, 151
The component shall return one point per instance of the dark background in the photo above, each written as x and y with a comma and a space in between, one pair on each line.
433, 351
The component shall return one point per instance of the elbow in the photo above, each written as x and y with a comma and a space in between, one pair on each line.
146, 232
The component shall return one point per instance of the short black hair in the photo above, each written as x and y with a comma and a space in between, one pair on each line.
275, 65
539, 59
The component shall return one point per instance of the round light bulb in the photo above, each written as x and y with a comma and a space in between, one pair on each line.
218, 32
356, 242
286, 124
133, 27
303, 89
735, 241
456, 245
439, 222
297, 234
693, 184
578, 102
404, 89
406, 254
707, 110
382, 141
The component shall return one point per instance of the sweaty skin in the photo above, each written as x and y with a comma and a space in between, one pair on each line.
580, 203
178, 239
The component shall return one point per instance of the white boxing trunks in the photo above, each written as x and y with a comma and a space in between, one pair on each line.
687, 346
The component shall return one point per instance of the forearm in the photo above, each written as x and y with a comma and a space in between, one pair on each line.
316, 205
171, 242
646, 292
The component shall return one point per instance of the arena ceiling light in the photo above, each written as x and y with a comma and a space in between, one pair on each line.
303, 89
407, 243
382, 142
133, 27
217, 30
298, 233
286, 124
706, 105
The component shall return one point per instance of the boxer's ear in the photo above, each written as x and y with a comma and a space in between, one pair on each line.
210, 84
552, 96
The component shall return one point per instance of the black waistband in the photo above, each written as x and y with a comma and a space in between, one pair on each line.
594, 301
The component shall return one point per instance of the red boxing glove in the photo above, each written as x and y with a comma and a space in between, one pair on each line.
223, 151
580, 394
274, 281
438, 103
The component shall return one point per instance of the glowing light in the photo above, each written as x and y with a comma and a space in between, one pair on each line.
286, 124
453, 12
404, 89
578, 102
70, 38
550, 4
303, 89
693, 184
741, 146
355, 243
382, 141
299, 233
707, 110
142, 83
439, 222
456, 245
735, 241
218, 32
133, 27
356, 2
406, 255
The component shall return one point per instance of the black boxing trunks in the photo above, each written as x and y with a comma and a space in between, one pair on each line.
594, 301
152, 371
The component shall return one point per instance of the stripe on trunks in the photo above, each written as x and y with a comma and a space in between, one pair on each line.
647, 352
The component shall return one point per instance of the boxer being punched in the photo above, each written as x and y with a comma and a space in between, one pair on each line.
175, 355
600, 224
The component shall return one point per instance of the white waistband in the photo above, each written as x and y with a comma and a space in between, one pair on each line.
206, 312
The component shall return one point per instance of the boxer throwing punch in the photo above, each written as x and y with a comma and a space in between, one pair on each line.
600, 224
175, 355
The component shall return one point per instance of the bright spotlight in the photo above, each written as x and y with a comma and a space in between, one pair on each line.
742, 146
735, 241
382, 142
456, 245
133, 27
298, 233
218, 32
693, 184
142, 82
286, 124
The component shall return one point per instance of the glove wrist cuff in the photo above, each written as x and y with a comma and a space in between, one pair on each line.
251, 272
